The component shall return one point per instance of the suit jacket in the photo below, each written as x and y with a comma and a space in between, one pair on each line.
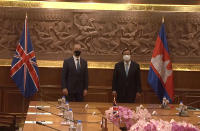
75, 81
126, 86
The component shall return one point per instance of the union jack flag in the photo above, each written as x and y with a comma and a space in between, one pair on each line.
24, 69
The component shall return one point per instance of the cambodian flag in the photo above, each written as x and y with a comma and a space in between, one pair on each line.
24, 70
160, 75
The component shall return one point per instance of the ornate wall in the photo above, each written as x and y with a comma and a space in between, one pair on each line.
102, 34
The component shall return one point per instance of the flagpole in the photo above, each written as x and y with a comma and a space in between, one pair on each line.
23, 101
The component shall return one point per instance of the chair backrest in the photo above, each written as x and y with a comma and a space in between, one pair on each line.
8, 120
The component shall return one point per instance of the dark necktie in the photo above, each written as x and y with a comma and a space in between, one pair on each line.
78, 65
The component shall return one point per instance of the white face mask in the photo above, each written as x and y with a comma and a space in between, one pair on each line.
126, 57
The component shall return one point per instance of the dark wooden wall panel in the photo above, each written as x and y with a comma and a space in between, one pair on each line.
48, 92
50, 76
187, 80
1, 101
101, 77
13, 101
99, 94
186, 85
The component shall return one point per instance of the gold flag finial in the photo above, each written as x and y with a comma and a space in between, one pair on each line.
26, 15
163, 19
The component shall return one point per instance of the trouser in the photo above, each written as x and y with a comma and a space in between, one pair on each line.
125, 99
75, 97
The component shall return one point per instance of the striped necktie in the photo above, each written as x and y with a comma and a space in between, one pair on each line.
126, 68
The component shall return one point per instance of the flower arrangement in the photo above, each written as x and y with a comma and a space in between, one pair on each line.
141, 113
183, 126
141, 120
125, 116
152, 125
160, 125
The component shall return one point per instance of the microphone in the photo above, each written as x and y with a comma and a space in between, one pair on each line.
75, 121
60, 108
178, 97
40, 123
192, 103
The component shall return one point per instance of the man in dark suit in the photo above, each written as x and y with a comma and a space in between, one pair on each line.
75, 76
126, 85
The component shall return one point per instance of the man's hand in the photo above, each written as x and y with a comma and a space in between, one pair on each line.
65, 91
84, 92
138, 95
114, 93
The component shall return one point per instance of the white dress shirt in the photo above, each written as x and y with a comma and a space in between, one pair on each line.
76, 61
129, 63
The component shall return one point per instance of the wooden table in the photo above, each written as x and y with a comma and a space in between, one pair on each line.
80, 113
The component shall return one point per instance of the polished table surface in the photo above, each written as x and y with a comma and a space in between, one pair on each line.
91, 121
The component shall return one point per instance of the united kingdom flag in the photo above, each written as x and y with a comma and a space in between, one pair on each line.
24, 69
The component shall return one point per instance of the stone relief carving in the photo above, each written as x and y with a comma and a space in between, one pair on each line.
9, 35
107, 39
101, 34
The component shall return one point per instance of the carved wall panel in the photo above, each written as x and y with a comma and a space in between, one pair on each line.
102, 34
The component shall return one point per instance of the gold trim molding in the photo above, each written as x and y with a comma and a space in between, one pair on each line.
104, 65
99, 6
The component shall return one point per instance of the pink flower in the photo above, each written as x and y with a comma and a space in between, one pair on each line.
144, 121
160, 125
142, 113
125, 116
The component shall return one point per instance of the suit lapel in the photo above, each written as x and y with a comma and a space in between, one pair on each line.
73, 63
130, 68
81, 63
123, 69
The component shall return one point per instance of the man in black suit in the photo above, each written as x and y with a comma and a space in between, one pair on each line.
126, 85
75, 76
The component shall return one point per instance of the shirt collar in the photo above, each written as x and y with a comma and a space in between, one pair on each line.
128, 62
75, 58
